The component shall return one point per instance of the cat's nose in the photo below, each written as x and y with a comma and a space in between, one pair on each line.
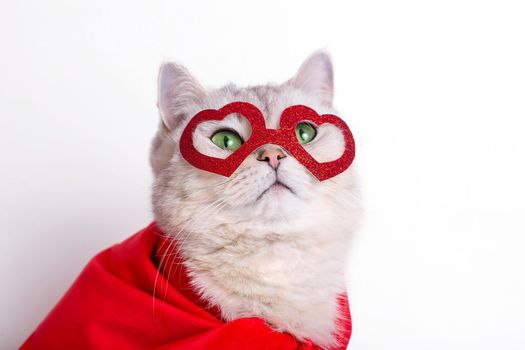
272, 156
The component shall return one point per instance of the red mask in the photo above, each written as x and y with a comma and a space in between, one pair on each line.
285, 136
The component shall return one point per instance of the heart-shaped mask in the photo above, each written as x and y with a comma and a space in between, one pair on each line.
285, 137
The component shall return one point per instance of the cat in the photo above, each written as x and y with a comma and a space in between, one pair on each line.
271, 240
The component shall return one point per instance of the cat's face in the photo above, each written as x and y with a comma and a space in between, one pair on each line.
270, 185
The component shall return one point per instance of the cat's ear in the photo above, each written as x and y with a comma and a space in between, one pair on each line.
315, 76
177, 89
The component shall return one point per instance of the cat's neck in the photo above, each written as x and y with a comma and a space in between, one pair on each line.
290, 279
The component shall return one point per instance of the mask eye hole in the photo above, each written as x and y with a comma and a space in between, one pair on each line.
305, 132
227, 139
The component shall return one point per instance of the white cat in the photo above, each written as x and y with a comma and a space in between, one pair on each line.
270, 241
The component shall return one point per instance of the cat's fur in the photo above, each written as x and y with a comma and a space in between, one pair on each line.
276, 255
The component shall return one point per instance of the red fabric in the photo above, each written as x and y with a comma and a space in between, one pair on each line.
112, 305
285, 137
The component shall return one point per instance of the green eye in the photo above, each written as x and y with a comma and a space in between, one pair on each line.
305, 132
227, 139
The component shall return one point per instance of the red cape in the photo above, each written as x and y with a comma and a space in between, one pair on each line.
113, 305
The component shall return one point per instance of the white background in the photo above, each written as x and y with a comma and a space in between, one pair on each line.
433, 91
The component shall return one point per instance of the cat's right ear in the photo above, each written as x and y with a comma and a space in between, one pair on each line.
177, 89
316, 77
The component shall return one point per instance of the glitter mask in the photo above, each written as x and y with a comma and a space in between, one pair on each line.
285, 137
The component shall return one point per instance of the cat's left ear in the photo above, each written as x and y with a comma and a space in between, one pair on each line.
178, 90
316, 77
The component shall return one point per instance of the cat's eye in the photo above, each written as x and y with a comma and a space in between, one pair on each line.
227, 139
305, 132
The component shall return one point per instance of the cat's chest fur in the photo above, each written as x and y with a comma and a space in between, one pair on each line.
290, 280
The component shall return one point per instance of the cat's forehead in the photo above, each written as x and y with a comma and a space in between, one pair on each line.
270, 99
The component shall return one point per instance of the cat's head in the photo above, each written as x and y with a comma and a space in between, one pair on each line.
270, 187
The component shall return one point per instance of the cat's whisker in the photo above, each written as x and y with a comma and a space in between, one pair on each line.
215, 184
176, 237
157, 274
217, 203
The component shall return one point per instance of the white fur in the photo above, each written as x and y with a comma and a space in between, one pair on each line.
276, 255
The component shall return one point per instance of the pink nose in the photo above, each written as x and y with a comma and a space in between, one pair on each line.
272, 156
